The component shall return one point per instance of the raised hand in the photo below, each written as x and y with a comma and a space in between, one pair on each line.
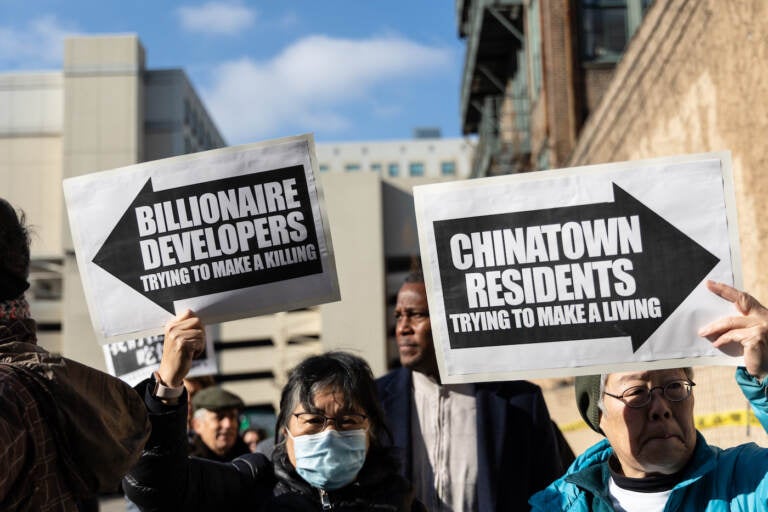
184, 339
745, 334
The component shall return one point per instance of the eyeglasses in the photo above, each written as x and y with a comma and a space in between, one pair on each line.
640, 396
311, 423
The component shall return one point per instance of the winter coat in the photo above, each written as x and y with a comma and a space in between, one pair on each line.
67, 431
517, 444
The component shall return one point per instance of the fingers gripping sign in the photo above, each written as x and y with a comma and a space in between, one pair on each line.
745, 334
184, 339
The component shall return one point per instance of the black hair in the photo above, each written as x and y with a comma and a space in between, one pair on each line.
414, 276
344, 373
262, 433
14, 252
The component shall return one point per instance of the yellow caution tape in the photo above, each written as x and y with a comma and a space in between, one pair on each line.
714, 420
726, 419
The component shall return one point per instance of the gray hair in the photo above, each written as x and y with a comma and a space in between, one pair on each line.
200, 414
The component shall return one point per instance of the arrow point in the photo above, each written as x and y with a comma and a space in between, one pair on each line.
622, 196
166, 305
148, 187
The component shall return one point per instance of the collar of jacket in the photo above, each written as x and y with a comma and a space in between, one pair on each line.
23, 330
593, 474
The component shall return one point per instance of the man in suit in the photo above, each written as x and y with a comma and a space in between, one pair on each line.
466, 447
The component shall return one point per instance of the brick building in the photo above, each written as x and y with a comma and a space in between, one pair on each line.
594, 81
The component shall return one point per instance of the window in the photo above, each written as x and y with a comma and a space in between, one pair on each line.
376, 167
323, 168
416, 169
607, 26
187, 110
448, 168
352, 167
393, 169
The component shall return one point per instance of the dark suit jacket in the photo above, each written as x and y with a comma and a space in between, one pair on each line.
517, 444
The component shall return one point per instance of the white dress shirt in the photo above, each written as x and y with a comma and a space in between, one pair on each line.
444, 437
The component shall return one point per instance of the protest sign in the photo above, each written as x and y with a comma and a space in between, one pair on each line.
228, 233
134, 360
579, 270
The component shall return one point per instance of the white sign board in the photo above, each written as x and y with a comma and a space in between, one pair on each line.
228, 233
136, 359
579, 270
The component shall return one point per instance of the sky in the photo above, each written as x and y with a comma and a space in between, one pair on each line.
344, 70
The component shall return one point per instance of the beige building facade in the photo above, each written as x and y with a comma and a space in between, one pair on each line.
433, 157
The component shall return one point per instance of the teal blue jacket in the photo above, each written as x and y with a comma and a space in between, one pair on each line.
735, 479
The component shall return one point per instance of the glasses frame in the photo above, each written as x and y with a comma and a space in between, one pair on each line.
335, 420
688, 384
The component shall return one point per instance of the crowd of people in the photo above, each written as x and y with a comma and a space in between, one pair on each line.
346, 441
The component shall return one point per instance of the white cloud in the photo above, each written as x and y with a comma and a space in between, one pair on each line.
310, 84
39, 44
216, 18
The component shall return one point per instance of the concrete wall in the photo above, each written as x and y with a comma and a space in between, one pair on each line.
31, 112
104, 104
103, 129
357, 323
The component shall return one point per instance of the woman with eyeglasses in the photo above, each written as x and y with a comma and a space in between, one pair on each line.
328, 453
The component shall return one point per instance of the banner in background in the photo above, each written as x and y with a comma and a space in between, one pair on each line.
135, 360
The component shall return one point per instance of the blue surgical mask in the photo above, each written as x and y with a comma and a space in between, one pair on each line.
330, 459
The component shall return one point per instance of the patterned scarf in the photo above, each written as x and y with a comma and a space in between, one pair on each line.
16, 309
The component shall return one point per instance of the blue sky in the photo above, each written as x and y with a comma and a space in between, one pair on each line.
347, 71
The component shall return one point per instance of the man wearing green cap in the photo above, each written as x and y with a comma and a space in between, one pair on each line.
653, 459
215, 422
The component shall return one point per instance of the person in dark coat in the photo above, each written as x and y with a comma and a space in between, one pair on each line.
470, 447
329, 455
67, 431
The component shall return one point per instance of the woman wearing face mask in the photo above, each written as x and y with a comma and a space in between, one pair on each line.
328, 454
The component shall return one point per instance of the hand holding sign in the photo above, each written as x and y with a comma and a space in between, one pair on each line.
184, 339
745, 335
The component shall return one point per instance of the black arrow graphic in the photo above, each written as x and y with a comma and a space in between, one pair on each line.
669, 267
121, 254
